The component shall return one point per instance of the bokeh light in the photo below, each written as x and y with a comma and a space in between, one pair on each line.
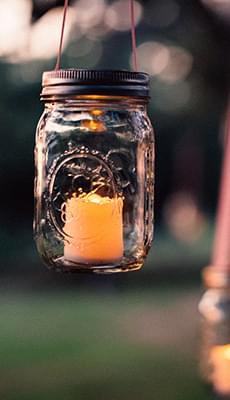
21, 41
221, 7
169, 63
89, 13
47, 32
184, 218
14, 26
117, 15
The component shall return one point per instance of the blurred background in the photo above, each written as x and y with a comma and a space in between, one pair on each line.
132, 336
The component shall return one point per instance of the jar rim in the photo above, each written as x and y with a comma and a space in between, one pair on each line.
216, 278
64, 82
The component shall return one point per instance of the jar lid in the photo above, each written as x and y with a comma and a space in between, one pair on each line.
94, 82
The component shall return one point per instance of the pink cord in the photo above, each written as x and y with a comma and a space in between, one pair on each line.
58, 63
133, 34
221, 246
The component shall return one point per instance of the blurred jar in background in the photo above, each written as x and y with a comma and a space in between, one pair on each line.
215, 354
94, 171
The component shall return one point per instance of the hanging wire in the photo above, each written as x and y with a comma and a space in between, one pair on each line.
58, 63
133, 35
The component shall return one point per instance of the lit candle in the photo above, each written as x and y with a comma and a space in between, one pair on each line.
220, 363
94, 229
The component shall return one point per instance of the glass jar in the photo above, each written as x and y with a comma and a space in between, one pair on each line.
214, 308
94, 182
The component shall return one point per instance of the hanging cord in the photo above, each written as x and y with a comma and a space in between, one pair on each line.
58, 63
221, 246
133, 35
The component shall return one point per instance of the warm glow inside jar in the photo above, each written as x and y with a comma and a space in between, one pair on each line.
94, 179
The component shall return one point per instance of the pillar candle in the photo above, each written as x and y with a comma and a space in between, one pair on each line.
220, 364
94, 229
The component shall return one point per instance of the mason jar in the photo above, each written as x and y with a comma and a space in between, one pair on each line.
214, 308
94, 179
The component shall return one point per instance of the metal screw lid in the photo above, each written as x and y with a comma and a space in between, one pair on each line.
66, 82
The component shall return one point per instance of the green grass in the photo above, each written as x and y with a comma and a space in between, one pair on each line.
98, 346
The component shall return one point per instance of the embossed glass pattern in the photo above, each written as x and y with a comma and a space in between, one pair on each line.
94, 182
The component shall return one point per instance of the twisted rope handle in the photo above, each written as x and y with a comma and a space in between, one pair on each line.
133, 35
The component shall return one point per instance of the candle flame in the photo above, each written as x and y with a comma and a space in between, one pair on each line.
94, 125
